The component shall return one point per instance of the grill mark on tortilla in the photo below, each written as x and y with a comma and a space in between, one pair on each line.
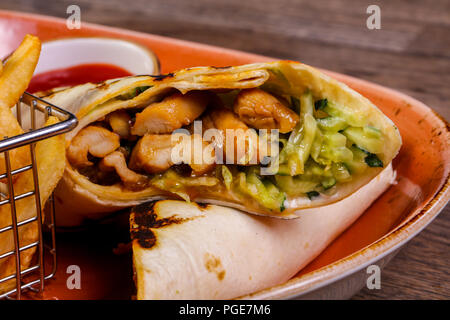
145, 237
143, 207
104, 86
162, 76
214, 67
201, 205
213, 264
144, 219
141, 232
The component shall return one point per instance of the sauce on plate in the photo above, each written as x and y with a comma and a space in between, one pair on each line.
75, 75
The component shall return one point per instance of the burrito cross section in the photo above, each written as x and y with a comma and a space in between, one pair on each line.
267, 138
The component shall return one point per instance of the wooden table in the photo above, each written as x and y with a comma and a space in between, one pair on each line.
411, 53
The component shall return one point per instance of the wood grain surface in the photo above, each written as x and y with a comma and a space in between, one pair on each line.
410, 53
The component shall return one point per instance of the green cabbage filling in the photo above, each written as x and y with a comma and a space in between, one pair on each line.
175, 183
330, 145
260, 189
134, 92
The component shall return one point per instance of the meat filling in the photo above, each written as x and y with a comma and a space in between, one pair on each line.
135, 148
170, 114
97, 141
262, 110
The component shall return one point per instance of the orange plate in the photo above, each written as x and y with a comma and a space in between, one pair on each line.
422, 166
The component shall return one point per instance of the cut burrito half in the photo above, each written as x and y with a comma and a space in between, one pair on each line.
189, 251
301, 140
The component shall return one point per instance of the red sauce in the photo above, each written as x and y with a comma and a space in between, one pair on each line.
79, 74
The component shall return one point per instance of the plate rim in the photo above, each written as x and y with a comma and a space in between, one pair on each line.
357, 260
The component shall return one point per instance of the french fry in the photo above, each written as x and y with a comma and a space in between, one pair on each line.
51, 163
9, 127
16, 75
18, 70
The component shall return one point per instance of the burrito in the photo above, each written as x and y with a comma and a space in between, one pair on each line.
266, 138
191, 251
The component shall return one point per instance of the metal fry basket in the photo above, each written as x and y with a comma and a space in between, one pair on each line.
29, 112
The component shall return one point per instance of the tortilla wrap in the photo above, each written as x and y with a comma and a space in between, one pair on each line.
189, 251
50, 166
78, 198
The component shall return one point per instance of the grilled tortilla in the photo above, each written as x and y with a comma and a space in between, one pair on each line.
188, 251
332, 141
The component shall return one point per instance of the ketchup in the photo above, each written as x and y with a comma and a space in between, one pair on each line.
79, 74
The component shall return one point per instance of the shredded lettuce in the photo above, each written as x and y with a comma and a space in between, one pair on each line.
321, 104
298, 147
133, 93
367, 138
175, 183
372, 160
330, 144
354, 118
262, 190
227, 176
357, 165
332, 124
